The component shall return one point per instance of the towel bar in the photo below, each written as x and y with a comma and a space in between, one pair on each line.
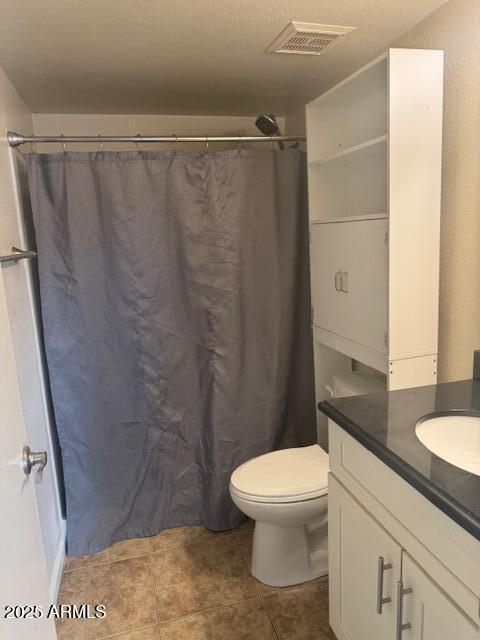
17, 254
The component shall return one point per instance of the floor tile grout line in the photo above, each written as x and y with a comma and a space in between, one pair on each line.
209, 610
275, 630
149, 553
133, 629
122, 633
236, 535
160, 551
143, 626
102, 564
156, 599
258, 596
247, 564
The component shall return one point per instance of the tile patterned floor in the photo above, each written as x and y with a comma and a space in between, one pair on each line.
188, 584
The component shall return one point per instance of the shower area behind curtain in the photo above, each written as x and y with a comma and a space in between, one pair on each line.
176, 312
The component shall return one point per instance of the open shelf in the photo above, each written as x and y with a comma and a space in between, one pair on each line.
350, 183
363, 150
368, 216
349, 114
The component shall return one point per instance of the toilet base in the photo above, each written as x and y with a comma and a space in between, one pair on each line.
288, 555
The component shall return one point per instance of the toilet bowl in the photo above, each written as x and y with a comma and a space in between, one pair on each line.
285, 492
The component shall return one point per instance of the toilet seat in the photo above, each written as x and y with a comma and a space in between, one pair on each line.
288, 475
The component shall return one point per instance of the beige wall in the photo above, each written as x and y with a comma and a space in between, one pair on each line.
455, 27
295, 122
14, 114
84, 124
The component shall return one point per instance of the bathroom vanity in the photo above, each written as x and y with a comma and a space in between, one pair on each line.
404, 524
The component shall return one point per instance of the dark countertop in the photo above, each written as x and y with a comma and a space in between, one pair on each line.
384, 423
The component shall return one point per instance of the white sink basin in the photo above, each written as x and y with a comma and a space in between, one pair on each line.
454, 437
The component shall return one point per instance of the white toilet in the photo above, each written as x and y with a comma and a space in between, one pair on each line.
285, 492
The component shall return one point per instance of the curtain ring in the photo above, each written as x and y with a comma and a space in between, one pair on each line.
239, 145
33, 145
64, 147
139, 139
100, 143
206, 142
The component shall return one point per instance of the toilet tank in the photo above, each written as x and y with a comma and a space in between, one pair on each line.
353, 384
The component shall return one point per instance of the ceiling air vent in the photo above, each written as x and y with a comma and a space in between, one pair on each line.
308, 39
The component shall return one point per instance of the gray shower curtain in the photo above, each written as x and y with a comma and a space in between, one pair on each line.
175, 305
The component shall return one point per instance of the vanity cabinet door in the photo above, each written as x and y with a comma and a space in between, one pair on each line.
357, 545
428, 610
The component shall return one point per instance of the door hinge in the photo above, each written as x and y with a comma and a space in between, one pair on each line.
386, 237
385, 338
312, 314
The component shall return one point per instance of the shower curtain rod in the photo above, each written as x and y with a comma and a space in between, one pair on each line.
16, 139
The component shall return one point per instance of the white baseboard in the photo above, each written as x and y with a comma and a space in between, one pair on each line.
57, 571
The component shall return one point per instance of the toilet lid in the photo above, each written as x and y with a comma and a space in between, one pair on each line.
283, 476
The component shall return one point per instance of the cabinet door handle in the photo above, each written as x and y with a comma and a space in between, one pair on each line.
401, 626
345, 281
382, 567
338, 281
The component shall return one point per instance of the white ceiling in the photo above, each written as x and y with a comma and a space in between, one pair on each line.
185, 56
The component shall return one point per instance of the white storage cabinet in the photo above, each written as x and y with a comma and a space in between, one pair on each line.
374, 169
349, 263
